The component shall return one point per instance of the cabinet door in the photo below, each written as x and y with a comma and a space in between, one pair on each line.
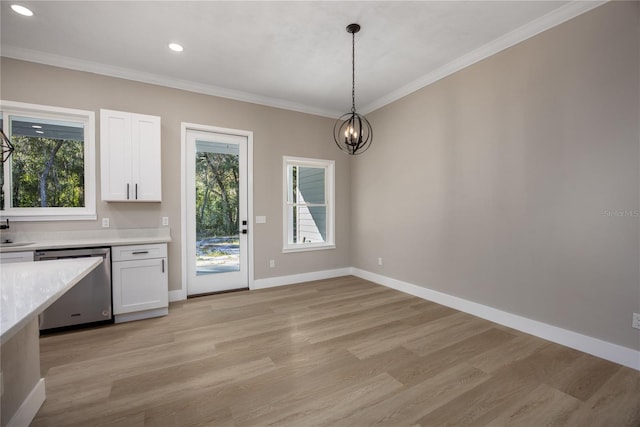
139, 285
146, 158
115, 155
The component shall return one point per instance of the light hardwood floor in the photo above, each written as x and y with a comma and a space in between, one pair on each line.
339, 352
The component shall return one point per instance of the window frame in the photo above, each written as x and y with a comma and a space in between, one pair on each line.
287, 221
46, 112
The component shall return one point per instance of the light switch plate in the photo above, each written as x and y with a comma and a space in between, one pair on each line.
165, 220
261, 219
105, 222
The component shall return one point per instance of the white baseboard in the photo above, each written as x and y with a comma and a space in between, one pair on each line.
179, 295
300, 278
139, 315
29, 408
603, 349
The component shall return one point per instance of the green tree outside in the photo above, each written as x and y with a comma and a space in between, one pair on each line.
47, 172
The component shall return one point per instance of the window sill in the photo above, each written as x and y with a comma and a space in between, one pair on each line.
307, 248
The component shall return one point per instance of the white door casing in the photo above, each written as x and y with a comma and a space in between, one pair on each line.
193, 283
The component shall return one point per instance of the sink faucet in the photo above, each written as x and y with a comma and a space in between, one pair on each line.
5, 227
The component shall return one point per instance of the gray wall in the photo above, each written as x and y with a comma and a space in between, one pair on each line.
501, 184
273, 129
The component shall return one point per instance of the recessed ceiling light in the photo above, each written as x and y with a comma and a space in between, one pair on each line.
36, 126
21, 10
39, 131
176, 47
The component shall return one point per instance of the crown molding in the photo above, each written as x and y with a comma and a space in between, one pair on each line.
156, 79
550, 20
520, 34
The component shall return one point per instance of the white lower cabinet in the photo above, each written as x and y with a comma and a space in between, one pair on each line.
140, 281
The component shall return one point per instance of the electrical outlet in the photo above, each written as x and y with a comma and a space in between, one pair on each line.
636, 320
379, 261
165, 220
272, 263
105, 222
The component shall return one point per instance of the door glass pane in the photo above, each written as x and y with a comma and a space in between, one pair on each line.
217, 190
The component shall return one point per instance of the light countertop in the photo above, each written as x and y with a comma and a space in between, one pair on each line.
84, 238
28, 288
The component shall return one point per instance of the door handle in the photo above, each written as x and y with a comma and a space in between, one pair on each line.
136, 191
127, 191
245, 231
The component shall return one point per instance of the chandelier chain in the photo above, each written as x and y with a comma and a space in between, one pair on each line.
353, 72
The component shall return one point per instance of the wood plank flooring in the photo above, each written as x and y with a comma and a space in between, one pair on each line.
338, 352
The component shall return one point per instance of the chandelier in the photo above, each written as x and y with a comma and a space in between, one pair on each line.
7, 147
352, 132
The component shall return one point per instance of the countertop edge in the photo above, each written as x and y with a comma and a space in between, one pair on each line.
86, 243
7, 334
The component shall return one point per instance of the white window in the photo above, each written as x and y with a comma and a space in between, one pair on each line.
51, 173
308, 204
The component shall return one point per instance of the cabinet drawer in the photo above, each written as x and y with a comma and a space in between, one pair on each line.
133, 252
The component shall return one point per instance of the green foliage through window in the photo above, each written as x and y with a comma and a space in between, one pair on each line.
217, 184
47, 165
47, 172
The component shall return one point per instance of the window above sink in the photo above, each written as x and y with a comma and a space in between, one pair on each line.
51, 173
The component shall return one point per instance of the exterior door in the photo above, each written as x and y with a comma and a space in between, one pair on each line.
217, 215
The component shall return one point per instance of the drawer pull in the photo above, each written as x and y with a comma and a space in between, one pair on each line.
163, 265
139, 252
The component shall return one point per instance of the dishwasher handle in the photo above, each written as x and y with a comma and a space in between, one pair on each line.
69, 254
53, 257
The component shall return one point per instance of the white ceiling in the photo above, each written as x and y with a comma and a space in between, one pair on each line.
291, 54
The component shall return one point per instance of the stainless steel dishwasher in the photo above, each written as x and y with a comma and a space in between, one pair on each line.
89, 301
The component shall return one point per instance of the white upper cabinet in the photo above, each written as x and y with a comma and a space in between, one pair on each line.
130, 157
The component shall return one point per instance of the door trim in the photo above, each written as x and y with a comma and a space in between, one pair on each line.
184, 127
